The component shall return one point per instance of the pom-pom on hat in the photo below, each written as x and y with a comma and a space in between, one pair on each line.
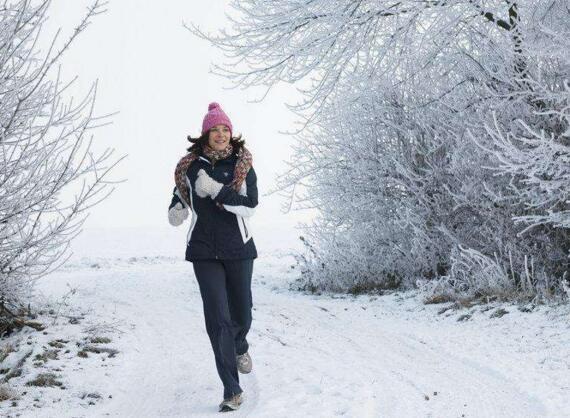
215, 116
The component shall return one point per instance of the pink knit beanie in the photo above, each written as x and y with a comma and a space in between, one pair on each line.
215, 116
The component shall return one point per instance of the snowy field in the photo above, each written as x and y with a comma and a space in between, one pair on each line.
314, 356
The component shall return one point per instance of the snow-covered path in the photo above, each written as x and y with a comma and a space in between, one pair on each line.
316, 356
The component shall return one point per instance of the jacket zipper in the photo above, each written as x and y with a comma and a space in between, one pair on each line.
215, 247
214, 232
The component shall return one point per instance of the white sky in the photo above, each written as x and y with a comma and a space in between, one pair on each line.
156, 74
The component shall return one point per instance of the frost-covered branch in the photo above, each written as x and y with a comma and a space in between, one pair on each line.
49, 175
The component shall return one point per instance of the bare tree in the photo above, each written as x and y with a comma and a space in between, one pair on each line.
49, 177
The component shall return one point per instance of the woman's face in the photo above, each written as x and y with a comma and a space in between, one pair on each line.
219, 137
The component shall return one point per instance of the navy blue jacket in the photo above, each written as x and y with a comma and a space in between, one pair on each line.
217, 233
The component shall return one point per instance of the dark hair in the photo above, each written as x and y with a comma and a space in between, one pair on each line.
198, 143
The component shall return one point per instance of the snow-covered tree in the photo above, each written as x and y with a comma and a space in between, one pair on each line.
435, 134
49, 177
331, 42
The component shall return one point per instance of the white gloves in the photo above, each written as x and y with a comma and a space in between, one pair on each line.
207, 186
177, 214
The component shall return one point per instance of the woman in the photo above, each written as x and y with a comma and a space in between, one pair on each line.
217, 182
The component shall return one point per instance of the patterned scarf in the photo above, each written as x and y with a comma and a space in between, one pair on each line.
244, 163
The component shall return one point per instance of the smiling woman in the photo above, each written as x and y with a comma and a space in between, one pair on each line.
219, 137
216, 132
217, 182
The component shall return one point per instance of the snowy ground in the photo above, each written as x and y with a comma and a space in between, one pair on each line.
314, 356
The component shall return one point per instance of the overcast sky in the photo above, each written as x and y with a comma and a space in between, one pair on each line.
156, 74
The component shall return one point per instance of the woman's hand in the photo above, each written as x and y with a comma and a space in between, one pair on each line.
177, 214
207, 186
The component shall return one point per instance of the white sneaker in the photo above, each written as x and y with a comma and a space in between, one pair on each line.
244, 363
231, 404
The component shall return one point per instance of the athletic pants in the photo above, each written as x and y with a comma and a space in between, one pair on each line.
225, 286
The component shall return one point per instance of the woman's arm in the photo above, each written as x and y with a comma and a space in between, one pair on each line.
177, 211
243, 205
176, 199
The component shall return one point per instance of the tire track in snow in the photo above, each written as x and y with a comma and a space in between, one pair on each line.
492, 391
311, 358
408, 369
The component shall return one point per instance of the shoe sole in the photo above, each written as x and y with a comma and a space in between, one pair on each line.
227, 408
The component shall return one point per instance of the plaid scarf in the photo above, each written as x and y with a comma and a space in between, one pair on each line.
244, 163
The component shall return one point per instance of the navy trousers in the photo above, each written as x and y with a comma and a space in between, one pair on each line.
225, 286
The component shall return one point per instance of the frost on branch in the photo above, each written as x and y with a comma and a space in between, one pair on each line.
433, 139
49, 177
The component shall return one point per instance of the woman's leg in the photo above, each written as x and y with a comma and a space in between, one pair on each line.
211, 277
238, 279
